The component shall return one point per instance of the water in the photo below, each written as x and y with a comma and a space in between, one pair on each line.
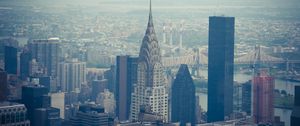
288, 86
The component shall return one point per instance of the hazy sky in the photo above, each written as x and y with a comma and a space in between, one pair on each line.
265, 3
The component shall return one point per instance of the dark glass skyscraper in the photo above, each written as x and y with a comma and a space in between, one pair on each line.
34, 96
295, 116
125, 78
183, 97
25, 59
220, 68
3, 85
11, 59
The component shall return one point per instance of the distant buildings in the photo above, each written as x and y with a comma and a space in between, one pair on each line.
220, 68
71, 75
183, 100
11, 59
295, 117
151, 89
13, 114
263, 86
46, 52
125, 79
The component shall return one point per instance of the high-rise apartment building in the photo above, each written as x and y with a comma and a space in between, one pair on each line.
71, 75
263, 86
46, 52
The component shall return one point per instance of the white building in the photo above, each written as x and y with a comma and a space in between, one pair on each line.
71, 75
151, 89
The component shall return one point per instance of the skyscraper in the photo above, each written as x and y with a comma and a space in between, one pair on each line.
34, 96
246, 97
71, 75
25, 59
220, 68
183, 97
295, 117
11, 59
46, 52
151, 89
46, 117
263, 86
125, 79
3, 85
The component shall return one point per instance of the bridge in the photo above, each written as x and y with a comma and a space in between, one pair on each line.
199, 58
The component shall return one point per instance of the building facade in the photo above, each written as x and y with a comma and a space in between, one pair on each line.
46, 52
11, 59
71, 75
125, 79
263, 86
220, 68
151, 88
295, 117
183, 102
246, 97
3, 85
13, 114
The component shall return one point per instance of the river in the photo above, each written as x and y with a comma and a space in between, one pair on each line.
288, 86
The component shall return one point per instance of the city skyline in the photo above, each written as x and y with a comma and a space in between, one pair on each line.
94, 62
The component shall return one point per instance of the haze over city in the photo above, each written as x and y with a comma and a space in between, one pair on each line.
149, 62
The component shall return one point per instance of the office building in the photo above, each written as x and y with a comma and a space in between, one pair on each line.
13, 114
88, 115
183, 100
25, 59
71, 75
46, 52
98, 86
295, 117
220, 68
246, 97
46, 117
34, 96
110, 75
125, 79
263, 86
3, 85
151, 88
11, 60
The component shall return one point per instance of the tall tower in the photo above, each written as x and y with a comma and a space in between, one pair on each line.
263, 86
183, 97
126, 76
150, 89
220, 68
